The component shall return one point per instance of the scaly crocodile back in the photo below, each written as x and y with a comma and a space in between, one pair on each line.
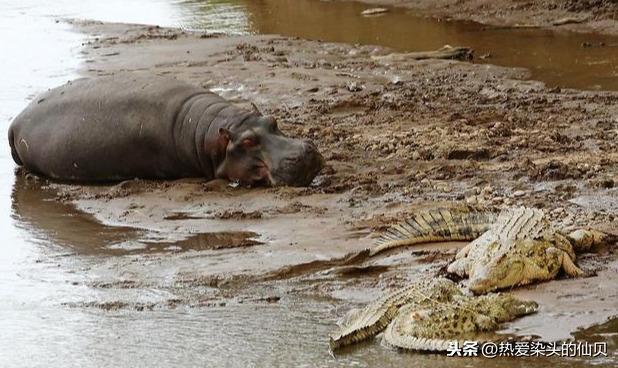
437, 225
520, 223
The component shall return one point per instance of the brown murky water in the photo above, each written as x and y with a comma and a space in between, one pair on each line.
50, 252
37, 210
555, 57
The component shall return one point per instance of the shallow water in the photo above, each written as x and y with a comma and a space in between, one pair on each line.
555, 57
48, 248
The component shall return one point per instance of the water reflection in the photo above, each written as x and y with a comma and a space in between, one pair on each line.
52, 223
215, 16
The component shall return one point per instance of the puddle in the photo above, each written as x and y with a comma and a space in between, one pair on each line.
182, 216
558, 58
58, 225
607, 331
197, 242
599, 202
351, 272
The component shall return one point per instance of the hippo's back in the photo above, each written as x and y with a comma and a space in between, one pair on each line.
104, 128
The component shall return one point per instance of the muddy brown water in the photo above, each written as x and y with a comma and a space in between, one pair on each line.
48, 249
552, 56
36, 209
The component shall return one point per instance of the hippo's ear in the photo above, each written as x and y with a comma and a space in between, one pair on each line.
225, 137
225, 134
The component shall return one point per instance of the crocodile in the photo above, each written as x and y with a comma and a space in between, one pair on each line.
360, 324
448, 311
441, 326
516, 246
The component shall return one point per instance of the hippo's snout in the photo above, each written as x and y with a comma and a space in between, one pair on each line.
301, 169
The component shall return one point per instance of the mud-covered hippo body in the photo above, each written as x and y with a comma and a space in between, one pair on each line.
144, 126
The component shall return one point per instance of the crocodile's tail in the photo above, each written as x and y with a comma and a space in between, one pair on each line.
400, 341
371, 320
437, 225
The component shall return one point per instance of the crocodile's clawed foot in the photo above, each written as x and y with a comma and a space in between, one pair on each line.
590, 273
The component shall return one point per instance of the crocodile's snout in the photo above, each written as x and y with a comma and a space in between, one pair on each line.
503, 273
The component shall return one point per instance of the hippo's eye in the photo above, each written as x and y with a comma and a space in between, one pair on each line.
248, 143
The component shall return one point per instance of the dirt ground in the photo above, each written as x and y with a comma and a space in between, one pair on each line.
576, 15
397, 135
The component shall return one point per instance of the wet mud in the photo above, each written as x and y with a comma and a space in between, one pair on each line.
413, 134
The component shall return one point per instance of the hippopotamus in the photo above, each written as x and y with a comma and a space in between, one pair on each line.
128, 126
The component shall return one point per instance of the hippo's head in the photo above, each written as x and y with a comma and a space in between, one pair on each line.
257, 153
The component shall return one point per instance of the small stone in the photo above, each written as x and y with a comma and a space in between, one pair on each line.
472, 200
374, 11
487, 192
472, 192
519, 193
354, 87
558, 211
447, 188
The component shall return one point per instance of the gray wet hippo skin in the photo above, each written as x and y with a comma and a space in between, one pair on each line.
144, 126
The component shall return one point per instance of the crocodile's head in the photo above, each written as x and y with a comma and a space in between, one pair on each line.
502, 272
501, 308
518, 263
509, 307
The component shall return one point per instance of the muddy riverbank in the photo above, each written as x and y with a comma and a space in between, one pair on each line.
397, 135
583, 16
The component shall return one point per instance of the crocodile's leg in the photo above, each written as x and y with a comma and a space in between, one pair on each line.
459, 267
463, 252
533, 272
568, 265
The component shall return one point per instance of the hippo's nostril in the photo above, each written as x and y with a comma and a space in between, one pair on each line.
309, 148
